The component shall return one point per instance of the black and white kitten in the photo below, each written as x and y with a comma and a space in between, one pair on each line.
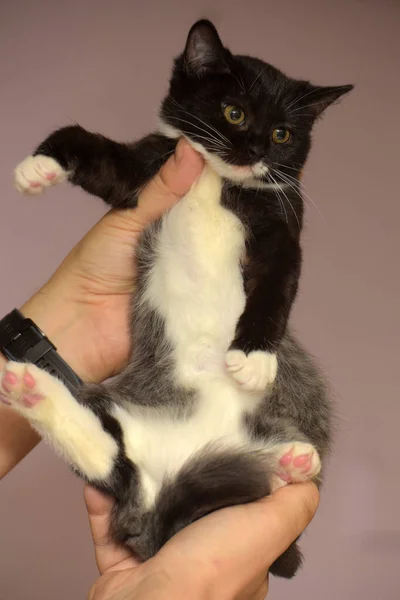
218, 404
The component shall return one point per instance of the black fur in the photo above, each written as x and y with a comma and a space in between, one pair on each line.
211, 481
205, 78
112, 171
200, 85
272, 267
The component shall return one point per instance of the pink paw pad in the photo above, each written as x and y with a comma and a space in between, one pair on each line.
286, 459
19, 387
10, 378
8, 381
4, 400
29, 381
51, 176
31, 400
298, 462
302, 461
35, 184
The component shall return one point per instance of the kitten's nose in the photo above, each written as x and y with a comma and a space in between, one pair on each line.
255, 150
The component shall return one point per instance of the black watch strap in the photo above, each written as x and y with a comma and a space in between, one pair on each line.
21, 340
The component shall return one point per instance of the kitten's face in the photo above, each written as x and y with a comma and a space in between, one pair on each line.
248, 119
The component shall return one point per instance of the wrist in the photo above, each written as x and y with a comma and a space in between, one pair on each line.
59, 321
173, 576
149, 581
166, 583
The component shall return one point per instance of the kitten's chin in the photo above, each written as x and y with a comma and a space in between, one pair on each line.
248, 176
241, 174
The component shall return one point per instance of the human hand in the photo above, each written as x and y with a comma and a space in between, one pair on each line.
84, 308
225, 555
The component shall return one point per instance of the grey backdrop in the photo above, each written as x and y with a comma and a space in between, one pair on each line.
105, 65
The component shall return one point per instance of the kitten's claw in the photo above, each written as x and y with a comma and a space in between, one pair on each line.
36, 173
253, 372
296, 461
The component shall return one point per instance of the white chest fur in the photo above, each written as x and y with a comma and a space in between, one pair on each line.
196, 285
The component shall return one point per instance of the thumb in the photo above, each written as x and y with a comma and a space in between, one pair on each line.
109, 556
172, 182
236, 546
284, 516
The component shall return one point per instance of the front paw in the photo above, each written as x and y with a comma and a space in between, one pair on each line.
18, 386
255, 371
36, 173
29, 390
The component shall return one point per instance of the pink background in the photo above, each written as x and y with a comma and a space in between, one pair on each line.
106, 65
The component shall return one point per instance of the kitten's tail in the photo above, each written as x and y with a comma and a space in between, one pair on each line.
210, 481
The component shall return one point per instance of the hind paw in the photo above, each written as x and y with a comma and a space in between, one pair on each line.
296, 461
36, 173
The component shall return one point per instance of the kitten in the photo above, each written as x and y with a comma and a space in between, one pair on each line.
219, 404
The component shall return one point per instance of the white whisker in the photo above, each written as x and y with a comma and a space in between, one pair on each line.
278, 196
221, 135
241, 82
295, 185
297, 100
257, 78
291, 206
287, 167
207, 137
313, 91
294, 112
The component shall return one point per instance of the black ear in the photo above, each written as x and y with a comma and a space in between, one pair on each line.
317, 99
204, 50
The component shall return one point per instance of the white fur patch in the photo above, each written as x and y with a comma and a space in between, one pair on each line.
160, 445
36, 173
196, 285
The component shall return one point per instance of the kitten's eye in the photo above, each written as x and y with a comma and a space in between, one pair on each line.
280, 135
234, 115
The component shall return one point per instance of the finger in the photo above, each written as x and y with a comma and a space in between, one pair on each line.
108, 555
279, 519
172, 182
237, 545
257, 590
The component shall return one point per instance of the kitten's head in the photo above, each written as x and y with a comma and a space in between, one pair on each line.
247, 117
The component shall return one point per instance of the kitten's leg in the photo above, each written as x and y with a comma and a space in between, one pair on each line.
73, 429
295, 462
275, 260
115, 172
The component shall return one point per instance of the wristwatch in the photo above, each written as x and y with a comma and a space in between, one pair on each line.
22, 341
